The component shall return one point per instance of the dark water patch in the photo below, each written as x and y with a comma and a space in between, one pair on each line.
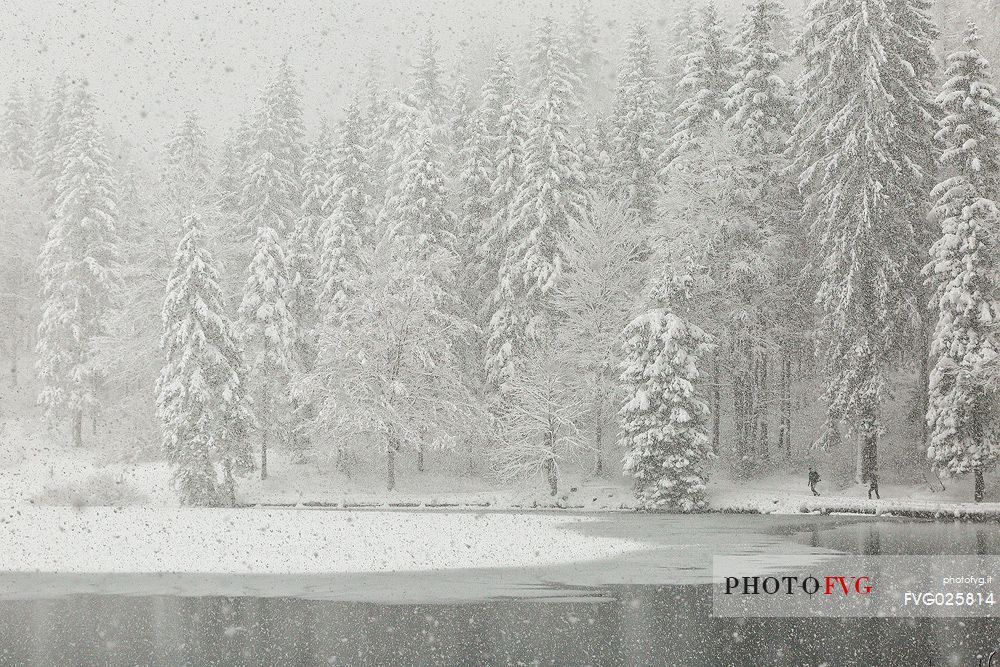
629, 625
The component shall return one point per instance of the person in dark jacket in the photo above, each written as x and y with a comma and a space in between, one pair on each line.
813, 480
873, 485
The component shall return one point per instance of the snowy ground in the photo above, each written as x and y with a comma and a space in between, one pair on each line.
33, 470
789, 494
289, 541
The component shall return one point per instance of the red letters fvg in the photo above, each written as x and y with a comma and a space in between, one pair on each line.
847, 585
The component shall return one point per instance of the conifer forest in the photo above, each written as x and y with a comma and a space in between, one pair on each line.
662, 251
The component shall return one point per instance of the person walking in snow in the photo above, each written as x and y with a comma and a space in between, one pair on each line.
873, 485
813, 480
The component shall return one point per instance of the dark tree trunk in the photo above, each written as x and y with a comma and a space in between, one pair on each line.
78, 427
341, 460
716, 402
762, 408
599, 435
390, 464
296, 440
786, 407
552, 476
868, 432
738, 426
923, 396
743, 413
228, 485
420, 457
265, 433
263, 452
263, 456
13, 368
782, 379
980, 485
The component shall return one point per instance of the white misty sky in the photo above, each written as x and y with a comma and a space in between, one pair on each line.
148, 60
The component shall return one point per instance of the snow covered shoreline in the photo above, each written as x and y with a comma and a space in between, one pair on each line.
761, 501
946, 511
842, 505
267, 540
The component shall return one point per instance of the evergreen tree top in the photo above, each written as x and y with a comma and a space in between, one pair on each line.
278, 127
17, 132
706, 81
760, 101
316, 170
186, 171
428, 90
272, 189
551, 79
86, 186
499, 91
970, 129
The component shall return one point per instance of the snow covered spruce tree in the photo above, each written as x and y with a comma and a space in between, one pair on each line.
272, 190
855, 141
583, 49
500, 155
420, 210
379, 135
350, 218
203, 403
551, 197
77, 268
459, 125
637, 124
705, 84
428, 86
187, 174
16, 133
236, 148
421, 202
270, 207
269, 331
605, 253
761, 106
964, 430
305, 239
50, 139
594, 147
676, 49
665, 436
474, 216
304, 280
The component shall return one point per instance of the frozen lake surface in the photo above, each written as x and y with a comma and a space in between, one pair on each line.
643, 606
